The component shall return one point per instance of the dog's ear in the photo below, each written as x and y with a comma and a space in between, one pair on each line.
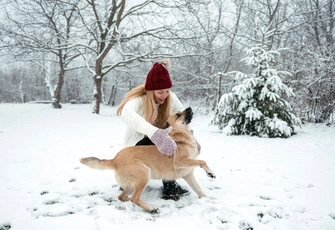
166, 125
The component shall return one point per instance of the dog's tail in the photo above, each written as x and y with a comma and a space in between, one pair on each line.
96, 163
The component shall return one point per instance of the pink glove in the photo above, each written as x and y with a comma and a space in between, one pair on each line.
163, 141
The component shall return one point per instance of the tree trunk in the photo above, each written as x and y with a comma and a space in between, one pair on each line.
22, 94
219, 92
56, 97
111, 99
97, 94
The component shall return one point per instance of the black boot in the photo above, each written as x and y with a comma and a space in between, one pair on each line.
172, 190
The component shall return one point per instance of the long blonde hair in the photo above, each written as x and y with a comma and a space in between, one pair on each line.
154, 116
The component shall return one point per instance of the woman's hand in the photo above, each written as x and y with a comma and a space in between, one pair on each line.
164, 142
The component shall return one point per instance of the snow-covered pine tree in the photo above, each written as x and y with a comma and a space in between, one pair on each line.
255, 106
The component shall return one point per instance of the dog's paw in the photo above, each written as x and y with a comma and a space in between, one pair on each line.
211, 175
154, 211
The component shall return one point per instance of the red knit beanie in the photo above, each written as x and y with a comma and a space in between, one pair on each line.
158, 77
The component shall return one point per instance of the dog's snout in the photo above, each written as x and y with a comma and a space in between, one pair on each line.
188, 115
188, 110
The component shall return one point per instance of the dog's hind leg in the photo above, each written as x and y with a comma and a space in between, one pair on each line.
139, 187
190, 179
136, 199
124, 196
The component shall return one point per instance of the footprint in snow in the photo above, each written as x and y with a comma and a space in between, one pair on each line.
265, 197
72, 180
43, 193
5, 226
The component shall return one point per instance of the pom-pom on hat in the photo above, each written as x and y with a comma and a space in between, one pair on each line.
158, 77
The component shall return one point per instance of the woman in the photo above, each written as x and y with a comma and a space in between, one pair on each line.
145, 110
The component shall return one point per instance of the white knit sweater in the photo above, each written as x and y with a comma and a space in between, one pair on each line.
133, 116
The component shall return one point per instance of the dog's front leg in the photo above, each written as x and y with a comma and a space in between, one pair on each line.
190, 179
187, 163
208, 171
210, 174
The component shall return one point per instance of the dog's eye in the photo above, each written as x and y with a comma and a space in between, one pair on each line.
178, 115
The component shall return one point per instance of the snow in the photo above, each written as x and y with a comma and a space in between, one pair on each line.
261, 183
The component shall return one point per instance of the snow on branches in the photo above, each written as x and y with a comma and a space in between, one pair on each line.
256, 106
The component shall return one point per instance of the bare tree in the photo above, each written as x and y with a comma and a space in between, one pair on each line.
208, 29
311, 59
275, 15
119, 33
40, 32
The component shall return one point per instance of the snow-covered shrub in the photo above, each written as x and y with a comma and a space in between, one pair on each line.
256, 106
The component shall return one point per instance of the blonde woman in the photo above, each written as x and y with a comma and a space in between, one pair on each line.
145, 110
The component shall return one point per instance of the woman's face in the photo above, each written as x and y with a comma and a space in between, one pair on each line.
161, 95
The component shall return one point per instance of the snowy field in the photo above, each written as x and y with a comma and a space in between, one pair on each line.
260, 184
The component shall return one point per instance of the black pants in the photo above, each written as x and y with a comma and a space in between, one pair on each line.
145, 141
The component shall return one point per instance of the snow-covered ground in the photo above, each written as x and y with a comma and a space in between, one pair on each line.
260, 184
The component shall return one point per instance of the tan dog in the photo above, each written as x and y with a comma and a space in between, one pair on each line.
135, 166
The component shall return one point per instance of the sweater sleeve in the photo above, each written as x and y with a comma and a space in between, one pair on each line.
131, 117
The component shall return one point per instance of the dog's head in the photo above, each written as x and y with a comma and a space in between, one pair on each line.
180, 119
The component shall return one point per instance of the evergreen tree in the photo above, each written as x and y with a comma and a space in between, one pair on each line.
256, 105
